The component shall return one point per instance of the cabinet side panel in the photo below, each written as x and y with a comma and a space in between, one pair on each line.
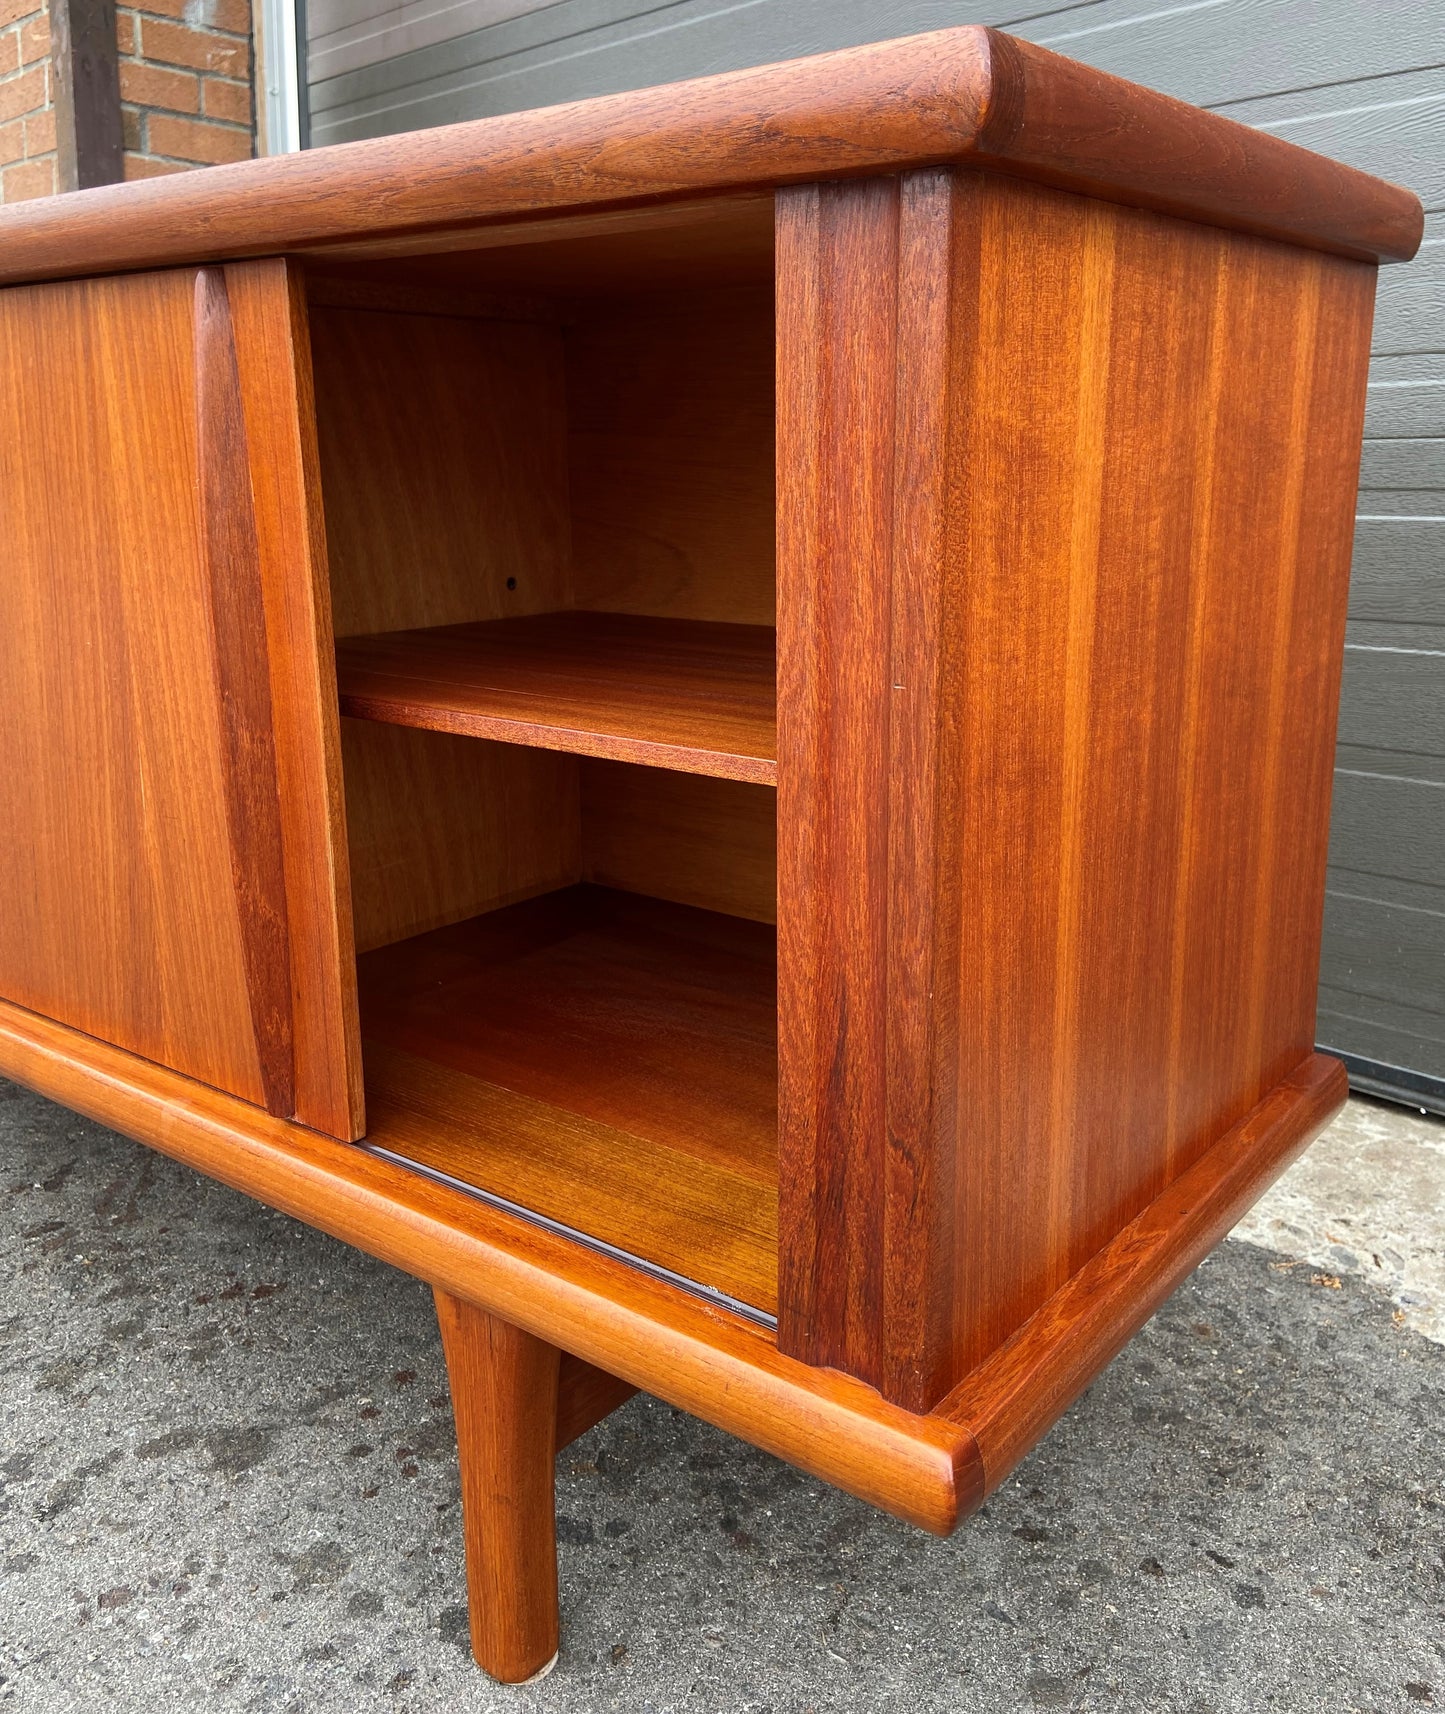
1152, 492
121, 917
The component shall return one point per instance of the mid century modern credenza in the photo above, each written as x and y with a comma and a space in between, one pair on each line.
705, 719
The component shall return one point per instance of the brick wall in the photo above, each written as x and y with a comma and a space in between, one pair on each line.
27, 119
185, 84
185, 87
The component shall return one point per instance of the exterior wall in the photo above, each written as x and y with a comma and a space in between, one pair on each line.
185, 86
27, 118
1365, 84
346, 35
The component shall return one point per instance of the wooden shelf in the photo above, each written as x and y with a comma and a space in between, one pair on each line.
606, 1060
671, 693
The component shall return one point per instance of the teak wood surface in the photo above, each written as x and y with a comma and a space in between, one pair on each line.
443, 468
504, 1386
683, 837
171, 803
970, 96
1060, 626
612, 452
607, 1061
668, 693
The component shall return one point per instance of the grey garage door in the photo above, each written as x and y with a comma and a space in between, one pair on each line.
1360, 81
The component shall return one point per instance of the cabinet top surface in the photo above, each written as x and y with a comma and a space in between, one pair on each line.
971, 96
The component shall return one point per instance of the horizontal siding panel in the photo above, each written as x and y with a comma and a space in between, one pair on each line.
345, 35
1418, 770
1419, 504
1406, 397
1207, 54
1425, 1021
1410, 304
596, 47
1347, 1025
1401, 464
1385, 825
534, 60
1382, 952
1394, 699
1399, 571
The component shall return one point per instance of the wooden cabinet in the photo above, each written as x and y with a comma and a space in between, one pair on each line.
706, 721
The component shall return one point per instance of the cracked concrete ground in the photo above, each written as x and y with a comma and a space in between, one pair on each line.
228, 1482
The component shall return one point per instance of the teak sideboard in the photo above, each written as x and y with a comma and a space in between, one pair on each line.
704, 719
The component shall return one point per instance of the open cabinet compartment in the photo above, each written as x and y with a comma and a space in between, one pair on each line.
547, 474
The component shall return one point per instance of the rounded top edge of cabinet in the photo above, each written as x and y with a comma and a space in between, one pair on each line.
970, 96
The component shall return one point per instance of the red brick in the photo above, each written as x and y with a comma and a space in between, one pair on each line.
40, 132
230, 101
233, 15
200, 50
35, 39
142, 167
158, 86
22, 94
132, 133
9, 52
29, 179
196, 140
12, 142
12, 11
125, 32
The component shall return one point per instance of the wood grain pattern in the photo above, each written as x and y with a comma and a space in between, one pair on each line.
837, 320
670, 454
402, 293
148, 739
115, 810
242, 675
684, 837
443, 828
604, 1060
268, 315
586, 1396
955, 95
504, 1399
1101, 464
1010, 1400
642, 1330
1062, 514
443, 468
668, 693
1187, 410
717, 241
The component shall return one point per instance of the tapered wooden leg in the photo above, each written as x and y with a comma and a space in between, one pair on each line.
504, 1397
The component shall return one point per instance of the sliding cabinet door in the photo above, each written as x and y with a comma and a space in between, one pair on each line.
172, 867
